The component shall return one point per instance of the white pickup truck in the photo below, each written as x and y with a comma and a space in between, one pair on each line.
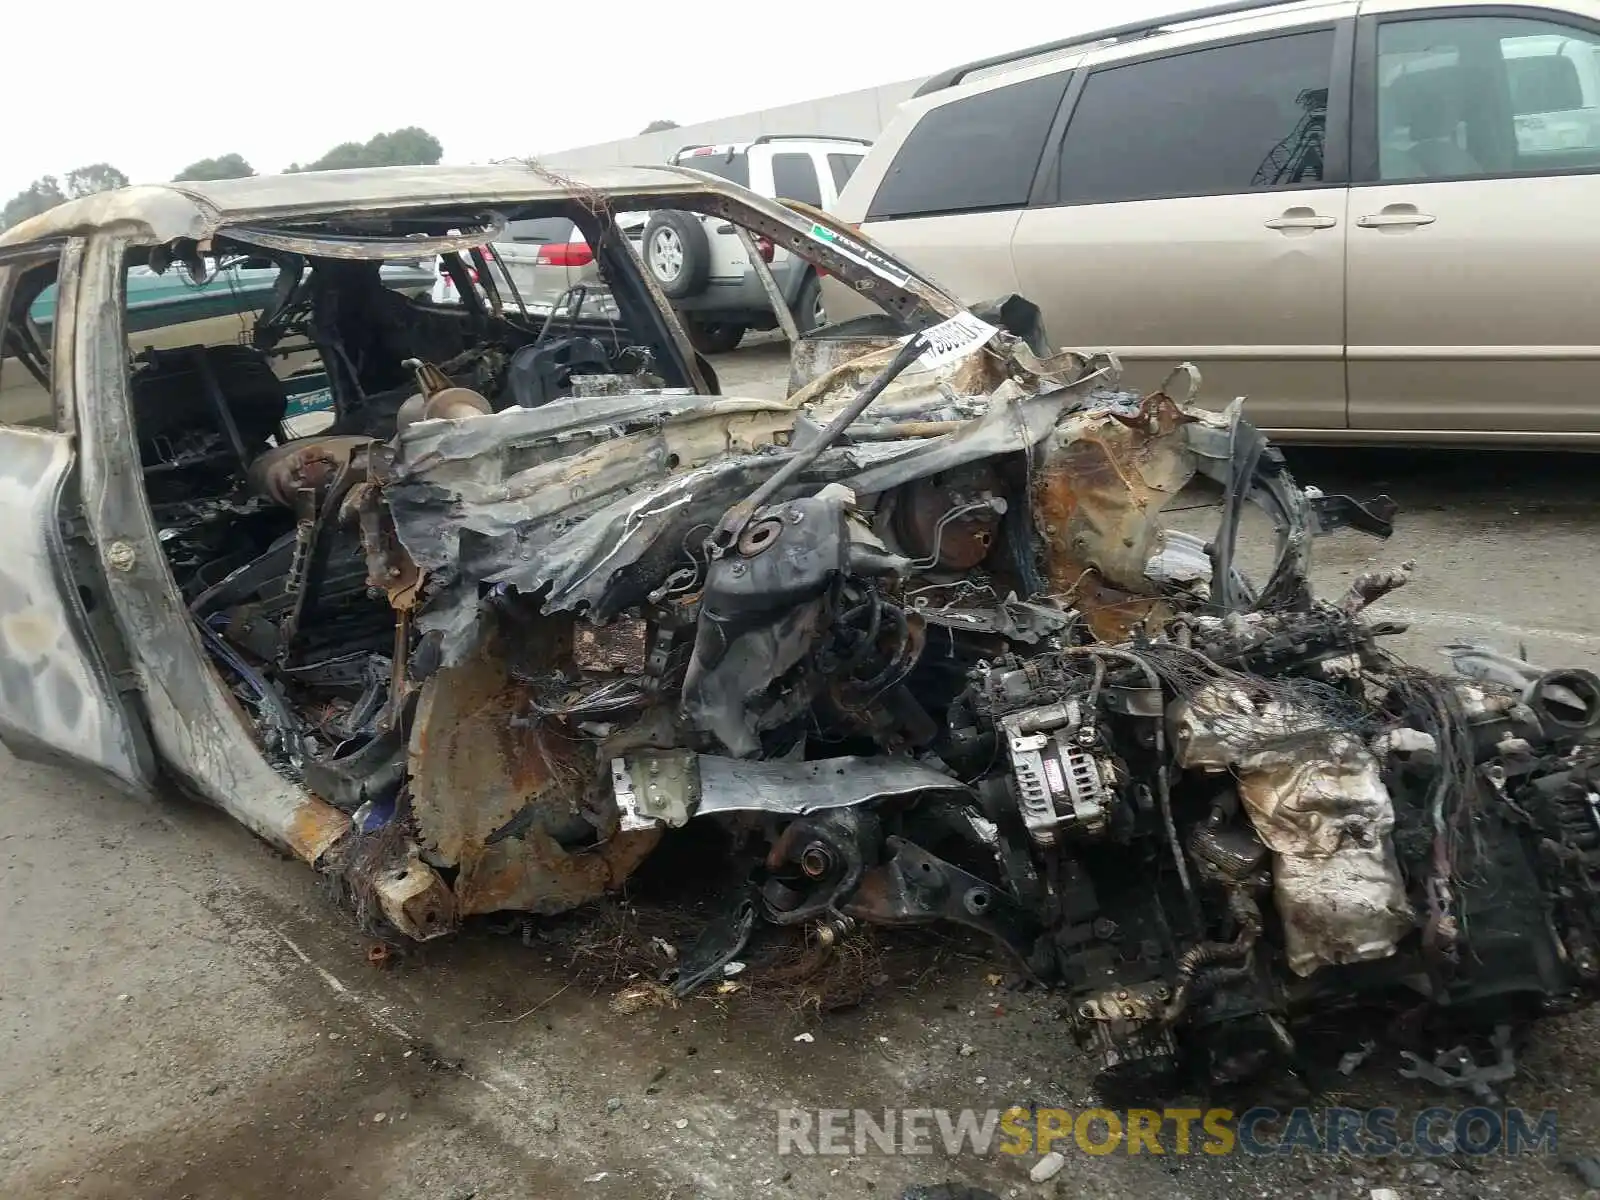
700, 262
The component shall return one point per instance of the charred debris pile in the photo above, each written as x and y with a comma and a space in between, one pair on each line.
919, 641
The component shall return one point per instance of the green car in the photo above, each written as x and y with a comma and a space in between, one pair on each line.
174, 300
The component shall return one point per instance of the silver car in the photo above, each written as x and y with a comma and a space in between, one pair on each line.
543, 261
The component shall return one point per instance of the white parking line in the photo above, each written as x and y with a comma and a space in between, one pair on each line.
377, 1013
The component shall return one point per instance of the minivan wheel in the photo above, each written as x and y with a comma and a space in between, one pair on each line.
676, 251
808, 313
714, 337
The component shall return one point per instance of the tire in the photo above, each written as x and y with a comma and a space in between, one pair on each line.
677, 253
714, 337
808, 314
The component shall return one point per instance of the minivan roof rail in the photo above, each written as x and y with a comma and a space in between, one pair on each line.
1133, 29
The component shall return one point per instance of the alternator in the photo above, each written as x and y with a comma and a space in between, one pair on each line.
1059, 780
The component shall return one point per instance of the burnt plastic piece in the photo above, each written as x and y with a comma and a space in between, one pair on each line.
760, 613
373, 771
1018, 316
543, 372
718, 944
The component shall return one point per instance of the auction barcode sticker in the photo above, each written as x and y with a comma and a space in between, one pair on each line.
950, 340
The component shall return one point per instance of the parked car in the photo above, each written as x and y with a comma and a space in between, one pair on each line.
702, 266
547, 263
171, 309
1374, 220
545, 257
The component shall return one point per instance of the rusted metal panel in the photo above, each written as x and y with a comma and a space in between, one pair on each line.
535, 873
1100, 485
314, 828
414, 898
480, 765
477, 759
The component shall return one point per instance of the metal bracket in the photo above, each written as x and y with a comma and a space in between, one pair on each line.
918, 888
1375, 517
655, 789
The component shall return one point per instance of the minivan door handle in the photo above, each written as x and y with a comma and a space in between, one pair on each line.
1395, 216
1302, 218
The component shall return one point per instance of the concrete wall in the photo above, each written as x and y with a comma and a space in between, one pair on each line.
850, 114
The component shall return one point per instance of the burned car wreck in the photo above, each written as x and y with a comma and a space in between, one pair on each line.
917, 637
966, 675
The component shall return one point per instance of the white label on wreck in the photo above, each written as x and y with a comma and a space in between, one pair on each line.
949, 340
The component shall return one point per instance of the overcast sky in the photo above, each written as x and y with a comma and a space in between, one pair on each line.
152, 87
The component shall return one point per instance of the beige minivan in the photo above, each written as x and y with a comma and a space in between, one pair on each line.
1377, 219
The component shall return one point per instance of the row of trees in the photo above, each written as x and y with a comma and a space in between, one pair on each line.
410, 146
47, 191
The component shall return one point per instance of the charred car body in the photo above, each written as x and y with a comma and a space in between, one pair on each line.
916, 637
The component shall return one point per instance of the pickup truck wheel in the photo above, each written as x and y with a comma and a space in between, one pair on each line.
808, 314
676, 251
714, 337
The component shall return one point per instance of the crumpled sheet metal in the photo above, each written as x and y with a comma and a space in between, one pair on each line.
491, 792
499, 475
1325, 814
1013, 420
559, 498
669, 787
1316, 798
914, 391
919, 392
1349, 907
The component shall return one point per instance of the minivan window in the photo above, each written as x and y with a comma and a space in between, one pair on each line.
794, 177
843, 166
1239, 118
1483, 96
972, 154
